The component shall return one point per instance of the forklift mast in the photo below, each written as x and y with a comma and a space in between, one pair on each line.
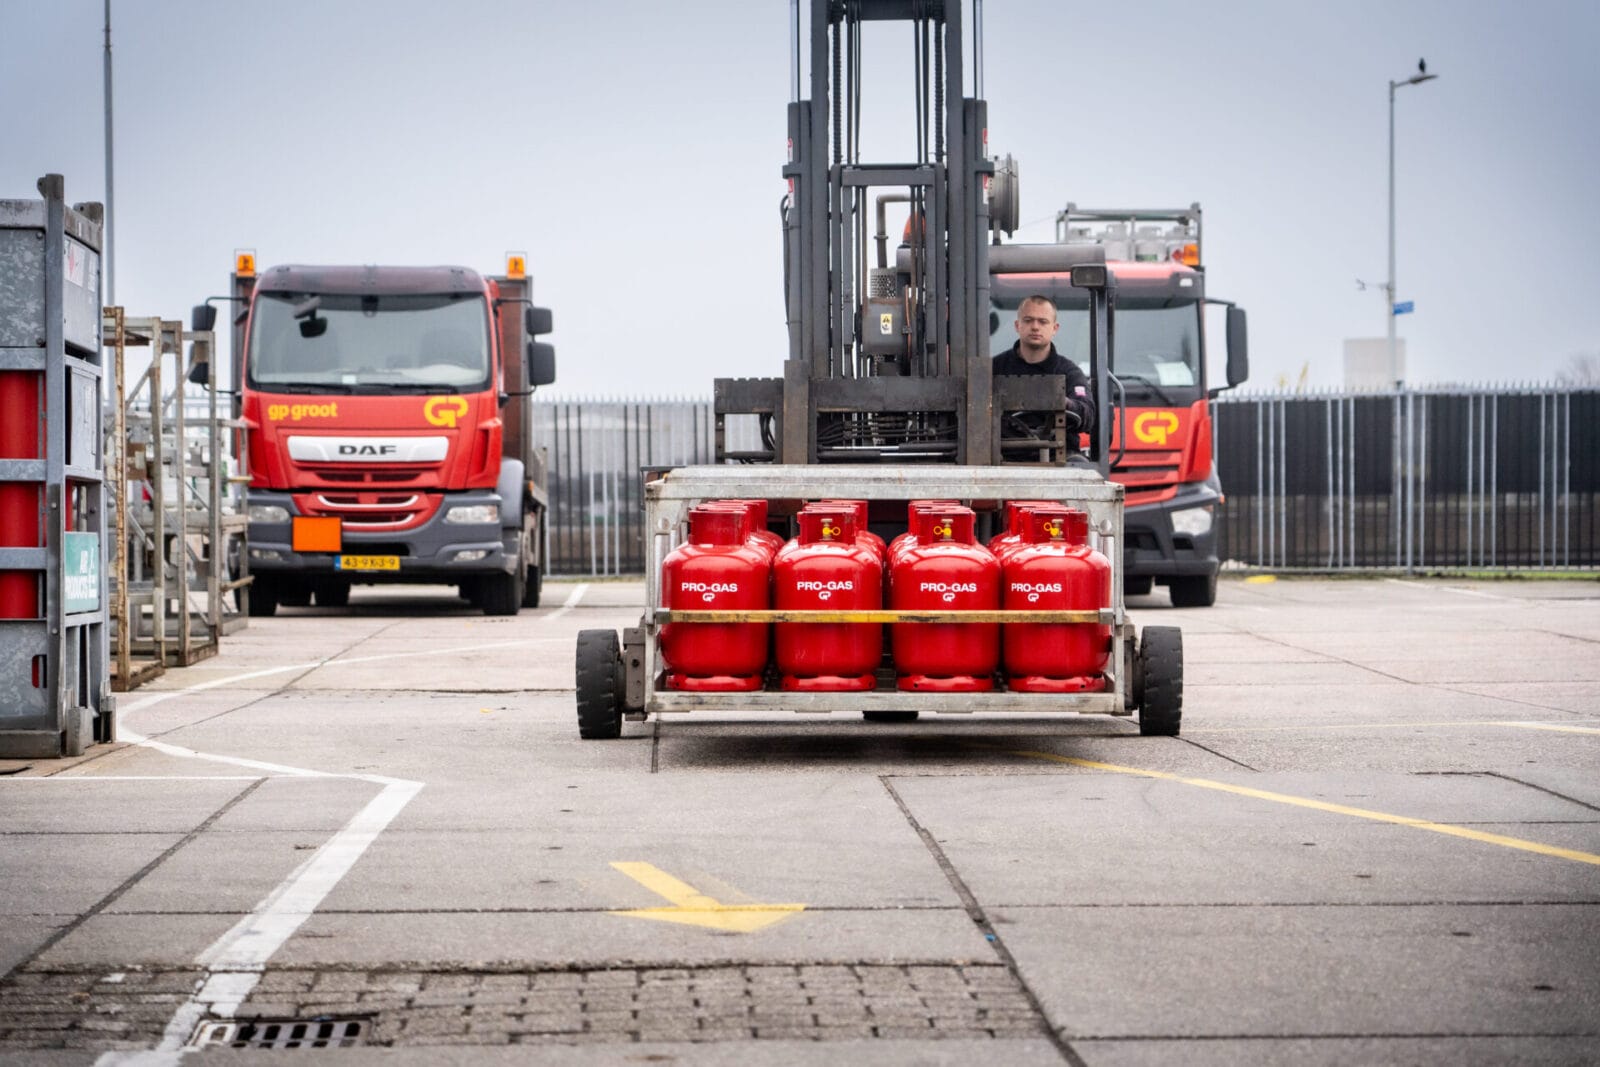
889, 362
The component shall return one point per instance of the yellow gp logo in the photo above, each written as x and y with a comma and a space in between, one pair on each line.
1154, 427
444, 410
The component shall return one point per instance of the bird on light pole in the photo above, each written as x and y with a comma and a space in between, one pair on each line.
1418, 78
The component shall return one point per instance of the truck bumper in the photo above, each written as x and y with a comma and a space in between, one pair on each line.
437, 551
1153, 547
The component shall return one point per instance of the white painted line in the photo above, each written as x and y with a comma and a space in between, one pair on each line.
142, 778
257, 936
235, 961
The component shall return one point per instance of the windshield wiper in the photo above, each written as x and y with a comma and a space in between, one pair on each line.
305, 387
1149, 384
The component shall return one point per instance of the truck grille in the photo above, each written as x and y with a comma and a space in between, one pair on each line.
316, 475
371, 510
1149, 477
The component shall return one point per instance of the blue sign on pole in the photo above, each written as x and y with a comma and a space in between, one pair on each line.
1405, 307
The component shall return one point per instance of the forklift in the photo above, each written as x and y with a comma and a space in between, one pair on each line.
887, 394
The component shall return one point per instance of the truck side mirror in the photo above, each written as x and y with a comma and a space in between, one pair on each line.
538, 321
1238, 347
202, 318
541, 363
200, 373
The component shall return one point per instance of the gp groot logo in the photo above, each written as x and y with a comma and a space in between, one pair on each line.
1155, 427
445, 410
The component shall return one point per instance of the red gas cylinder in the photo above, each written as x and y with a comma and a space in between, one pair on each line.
946, 570
859, 509
1016, 513
1054, 569
718, 569
21, 502
914, 510
827, 568
756, 525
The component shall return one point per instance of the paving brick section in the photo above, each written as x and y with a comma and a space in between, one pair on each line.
94, 1010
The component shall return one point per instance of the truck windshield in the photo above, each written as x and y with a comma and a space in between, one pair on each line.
369, 343
1157, 343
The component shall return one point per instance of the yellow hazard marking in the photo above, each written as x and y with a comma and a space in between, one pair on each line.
444, 410
1260, 579
693, 908
1337, 809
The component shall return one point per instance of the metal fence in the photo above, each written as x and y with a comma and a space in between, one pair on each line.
1503, 478
1419, 479
596, 451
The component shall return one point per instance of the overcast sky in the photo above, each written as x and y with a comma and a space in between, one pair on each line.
633, 150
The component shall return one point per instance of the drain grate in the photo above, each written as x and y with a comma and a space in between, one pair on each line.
280, 1033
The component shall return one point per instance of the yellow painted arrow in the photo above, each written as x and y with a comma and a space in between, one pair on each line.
694, 908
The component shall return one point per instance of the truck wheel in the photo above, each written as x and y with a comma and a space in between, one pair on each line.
501, 594
533, 588
1137, 584
1161, 678
332, 592
294, 593
890, 716
599, 685
1198, 591
263, 597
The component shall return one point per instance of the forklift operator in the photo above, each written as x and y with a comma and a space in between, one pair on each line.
1035, 353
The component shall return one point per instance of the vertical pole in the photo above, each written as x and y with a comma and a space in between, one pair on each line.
1389, 290
110, 248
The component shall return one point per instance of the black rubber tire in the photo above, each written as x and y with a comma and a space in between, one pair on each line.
332, 592
1161, 681
1195, 591
599, 685
294, 593
501, 594
890, 716
263, 597
1137, 584
533, 587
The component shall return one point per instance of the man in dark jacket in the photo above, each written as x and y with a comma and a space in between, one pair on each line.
1035, 353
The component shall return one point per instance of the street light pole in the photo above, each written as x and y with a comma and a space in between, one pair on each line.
1418, 78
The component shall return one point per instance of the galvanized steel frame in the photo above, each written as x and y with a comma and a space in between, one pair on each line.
52, 327
667, 504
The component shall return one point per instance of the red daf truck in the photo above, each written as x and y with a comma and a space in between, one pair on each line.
388, 417
1161, 433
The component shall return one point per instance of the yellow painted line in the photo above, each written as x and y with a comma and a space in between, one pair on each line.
1336, 809
694, 908
1260, 579
1552, 726
1396, 726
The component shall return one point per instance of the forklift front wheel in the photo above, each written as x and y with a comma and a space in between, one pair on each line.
1160, 674
599, 685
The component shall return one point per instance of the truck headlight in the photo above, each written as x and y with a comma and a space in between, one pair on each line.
268, 513
1192, 521
474, 513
